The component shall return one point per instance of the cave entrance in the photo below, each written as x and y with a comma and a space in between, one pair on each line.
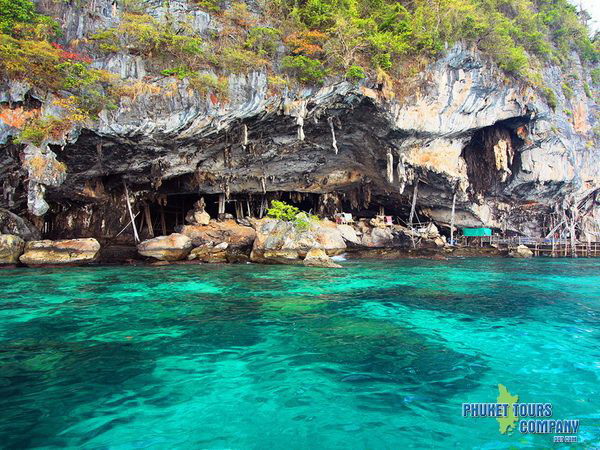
167, 213
492, 154
305, 201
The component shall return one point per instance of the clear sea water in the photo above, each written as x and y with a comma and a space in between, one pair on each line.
380, 354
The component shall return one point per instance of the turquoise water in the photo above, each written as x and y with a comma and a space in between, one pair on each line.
380, 354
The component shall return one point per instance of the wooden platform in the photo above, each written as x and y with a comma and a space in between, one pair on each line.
554, 248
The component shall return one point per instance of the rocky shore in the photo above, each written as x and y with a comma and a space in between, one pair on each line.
263, 241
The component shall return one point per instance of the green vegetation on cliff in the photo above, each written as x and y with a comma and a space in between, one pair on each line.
397, 36
295, 41
312, 39
27, 54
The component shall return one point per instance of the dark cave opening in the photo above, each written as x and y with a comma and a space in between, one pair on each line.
492, 155
168, 212
165, 213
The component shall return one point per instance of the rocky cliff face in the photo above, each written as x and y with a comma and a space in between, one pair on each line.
462, 128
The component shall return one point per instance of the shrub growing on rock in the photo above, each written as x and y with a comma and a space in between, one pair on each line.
263, 40
355, 73
282, 211
305, 69
288, 213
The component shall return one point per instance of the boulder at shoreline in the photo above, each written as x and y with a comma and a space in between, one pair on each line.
174, 247
282, 242
70, 251
11, 248
229, 231
522, 251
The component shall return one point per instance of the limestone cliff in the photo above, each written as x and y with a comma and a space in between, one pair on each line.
461, 126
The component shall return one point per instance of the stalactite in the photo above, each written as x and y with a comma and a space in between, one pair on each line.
300, 123
329, 203
244, 136
263, 184
162, 199
227, 157
410, 175
333, 139
353, 197
401, 174
366, 195
390, 167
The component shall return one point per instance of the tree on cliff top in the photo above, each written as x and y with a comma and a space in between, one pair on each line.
18, 18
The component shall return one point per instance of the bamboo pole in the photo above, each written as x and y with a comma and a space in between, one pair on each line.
142, 223
148, 219
221, 203
452, 219
239, 210
163, 222
414, 204
573, 242
261, 213
135, 233
125, 227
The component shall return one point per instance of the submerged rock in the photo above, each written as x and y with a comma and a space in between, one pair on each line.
71, 251
317, 257
11, 248
522, 251
174, 247
210, 254
278, 257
